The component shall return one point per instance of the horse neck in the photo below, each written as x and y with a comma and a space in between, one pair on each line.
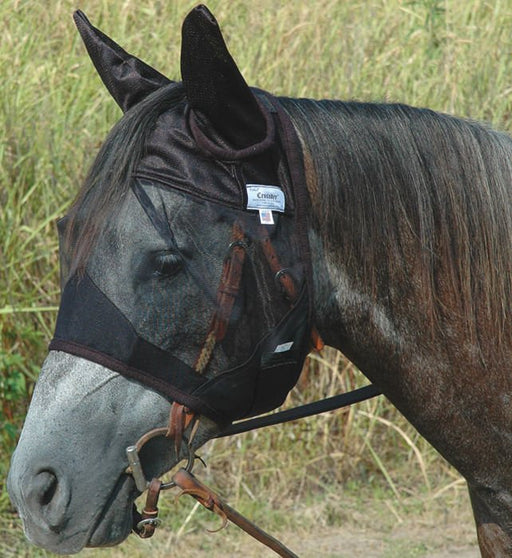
397, 268
369, 269
345, 307
396, 302
345, 312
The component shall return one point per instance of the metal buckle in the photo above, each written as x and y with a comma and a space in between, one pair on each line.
237, 244
135, 466
150, 522
288, 292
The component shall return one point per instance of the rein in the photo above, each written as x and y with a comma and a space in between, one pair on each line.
189, 484
308, 410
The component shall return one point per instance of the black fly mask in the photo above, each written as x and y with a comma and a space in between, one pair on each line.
231, 156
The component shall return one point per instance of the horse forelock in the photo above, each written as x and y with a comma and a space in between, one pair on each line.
412, 198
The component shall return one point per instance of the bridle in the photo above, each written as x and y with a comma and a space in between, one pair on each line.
182, 418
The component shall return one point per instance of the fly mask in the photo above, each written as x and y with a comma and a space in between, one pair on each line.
260, 296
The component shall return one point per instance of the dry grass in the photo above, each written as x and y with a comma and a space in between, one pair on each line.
449, 55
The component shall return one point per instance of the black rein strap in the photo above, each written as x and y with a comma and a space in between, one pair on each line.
308, 410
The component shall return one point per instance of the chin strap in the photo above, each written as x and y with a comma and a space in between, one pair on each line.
145, 523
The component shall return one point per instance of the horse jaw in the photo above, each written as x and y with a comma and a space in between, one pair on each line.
67, 477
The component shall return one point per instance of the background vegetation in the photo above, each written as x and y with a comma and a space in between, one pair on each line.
449, 55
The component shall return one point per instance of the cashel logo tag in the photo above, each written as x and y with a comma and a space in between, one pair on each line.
260, 196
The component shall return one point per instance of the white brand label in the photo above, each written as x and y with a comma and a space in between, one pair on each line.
260, 196
283, 347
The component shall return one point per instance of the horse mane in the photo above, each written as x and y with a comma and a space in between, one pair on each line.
111, 173
408, 192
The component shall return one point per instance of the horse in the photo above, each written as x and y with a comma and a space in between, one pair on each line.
220, 233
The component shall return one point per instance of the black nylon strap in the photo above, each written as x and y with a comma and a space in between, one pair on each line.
90, 325
316, 408
296, 167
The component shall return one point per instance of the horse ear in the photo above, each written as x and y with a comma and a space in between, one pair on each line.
128, 79
214, 86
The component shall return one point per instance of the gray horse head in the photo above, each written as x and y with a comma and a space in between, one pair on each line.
182, 282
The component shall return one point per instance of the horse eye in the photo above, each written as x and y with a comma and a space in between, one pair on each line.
167, 264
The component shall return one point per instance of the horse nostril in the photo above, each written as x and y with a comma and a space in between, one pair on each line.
51, 497
46, 486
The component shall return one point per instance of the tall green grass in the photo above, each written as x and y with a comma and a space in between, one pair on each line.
448, 55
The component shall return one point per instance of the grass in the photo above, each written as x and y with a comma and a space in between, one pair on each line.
448, 55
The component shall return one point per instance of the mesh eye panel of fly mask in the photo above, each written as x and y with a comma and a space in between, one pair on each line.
226, 333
